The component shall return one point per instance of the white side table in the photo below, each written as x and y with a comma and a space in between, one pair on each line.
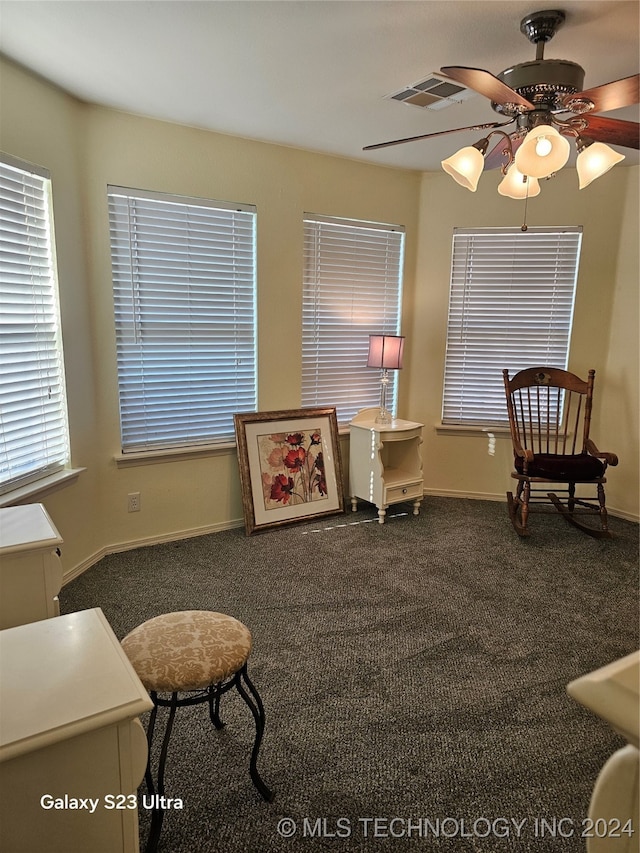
69, 732
612, 693
385, 462
30, 567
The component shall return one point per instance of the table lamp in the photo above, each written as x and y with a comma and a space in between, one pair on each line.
385, 353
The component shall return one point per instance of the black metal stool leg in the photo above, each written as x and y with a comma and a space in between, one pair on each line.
256, 707
214, 705
152, 722
157, 814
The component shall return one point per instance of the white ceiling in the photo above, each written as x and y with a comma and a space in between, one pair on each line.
306, 73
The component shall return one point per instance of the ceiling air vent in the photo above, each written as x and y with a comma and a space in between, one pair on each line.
432, 93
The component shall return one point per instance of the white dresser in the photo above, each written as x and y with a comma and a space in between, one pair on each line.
30, 567
613, 693
69, 733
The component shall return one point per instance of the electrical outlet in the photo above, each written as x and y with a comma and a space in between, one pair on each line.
133, 504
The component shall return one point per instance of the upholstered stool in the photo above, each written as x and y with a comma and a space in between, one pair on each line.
201, 654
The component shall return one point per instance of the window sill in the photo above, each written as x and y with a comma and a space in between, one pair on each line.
180, 454
176, 454
499, 431
41, 487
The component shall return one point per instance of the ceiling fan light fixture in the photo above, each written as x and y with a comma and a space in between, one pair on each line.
533, 94
516, 185
543, 152
594, 159
466, 165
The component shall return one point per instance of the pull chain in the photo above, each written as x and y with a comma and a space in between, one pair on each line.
524, 226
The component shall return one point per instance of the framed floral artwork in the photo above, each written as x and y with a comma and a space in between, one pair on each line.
289, 466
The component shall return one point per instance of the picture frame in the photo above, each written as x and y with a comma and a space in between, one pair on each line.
290, 467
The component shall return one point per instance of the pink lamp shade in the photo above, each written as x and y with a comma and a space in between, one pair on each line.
385, 351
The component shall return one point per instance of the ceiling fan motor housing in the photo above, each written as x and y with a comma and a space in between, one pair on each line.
543, 82
540, 27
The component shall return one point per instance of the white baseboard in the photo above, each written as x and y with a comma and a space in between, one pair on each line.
621, 513
491, 496
82, 567
129, 545
474, 496
238, 522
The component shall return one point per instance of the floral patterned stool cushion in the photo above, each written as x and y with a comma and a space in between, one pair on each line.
195, 656
188, 650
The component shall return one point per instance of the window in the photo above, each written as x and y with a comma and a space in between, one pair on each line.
352, 288
34, 439
184, 299
510, 306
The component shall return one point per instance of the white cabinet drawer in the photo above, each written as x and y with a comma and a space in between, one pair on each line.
406, 492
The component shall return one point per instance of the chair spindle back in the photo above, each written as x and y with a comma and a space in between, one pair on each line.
549, 409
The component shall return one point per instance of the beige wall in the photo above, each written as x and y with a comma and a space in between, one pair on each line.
40, 124
88, 147
605, 327
620, 391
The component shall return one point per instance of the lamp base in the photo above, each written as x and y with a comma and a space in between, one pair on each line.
384, 417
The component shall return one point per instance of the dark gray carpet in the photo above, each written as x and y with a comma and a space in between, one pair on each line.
414, 670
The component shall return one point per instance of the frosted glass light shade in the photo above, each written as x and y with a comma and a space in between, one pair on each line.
543, 152
594, 161
516, 185
465, 167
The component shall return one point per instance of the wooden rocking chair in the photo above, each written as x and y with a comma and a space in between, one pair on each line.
549, 416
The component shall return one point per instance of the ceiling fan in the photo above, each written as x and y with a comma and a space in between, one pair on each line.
546, 102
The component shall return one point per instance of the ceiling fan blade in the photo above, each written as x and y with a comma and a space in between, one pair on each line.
486, 84
437, 133
610, 96
495, 158
612, 131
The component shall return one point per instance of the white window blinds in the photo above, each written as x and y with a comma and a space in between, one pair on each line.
184, 300
510, 306
33, 418
352, 288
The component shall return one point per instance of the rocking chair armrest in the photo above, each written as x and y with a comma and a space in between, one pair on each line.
609, 458
519, 450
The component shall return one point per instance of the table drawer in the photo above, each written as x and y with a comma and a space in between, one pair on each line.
404, 492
